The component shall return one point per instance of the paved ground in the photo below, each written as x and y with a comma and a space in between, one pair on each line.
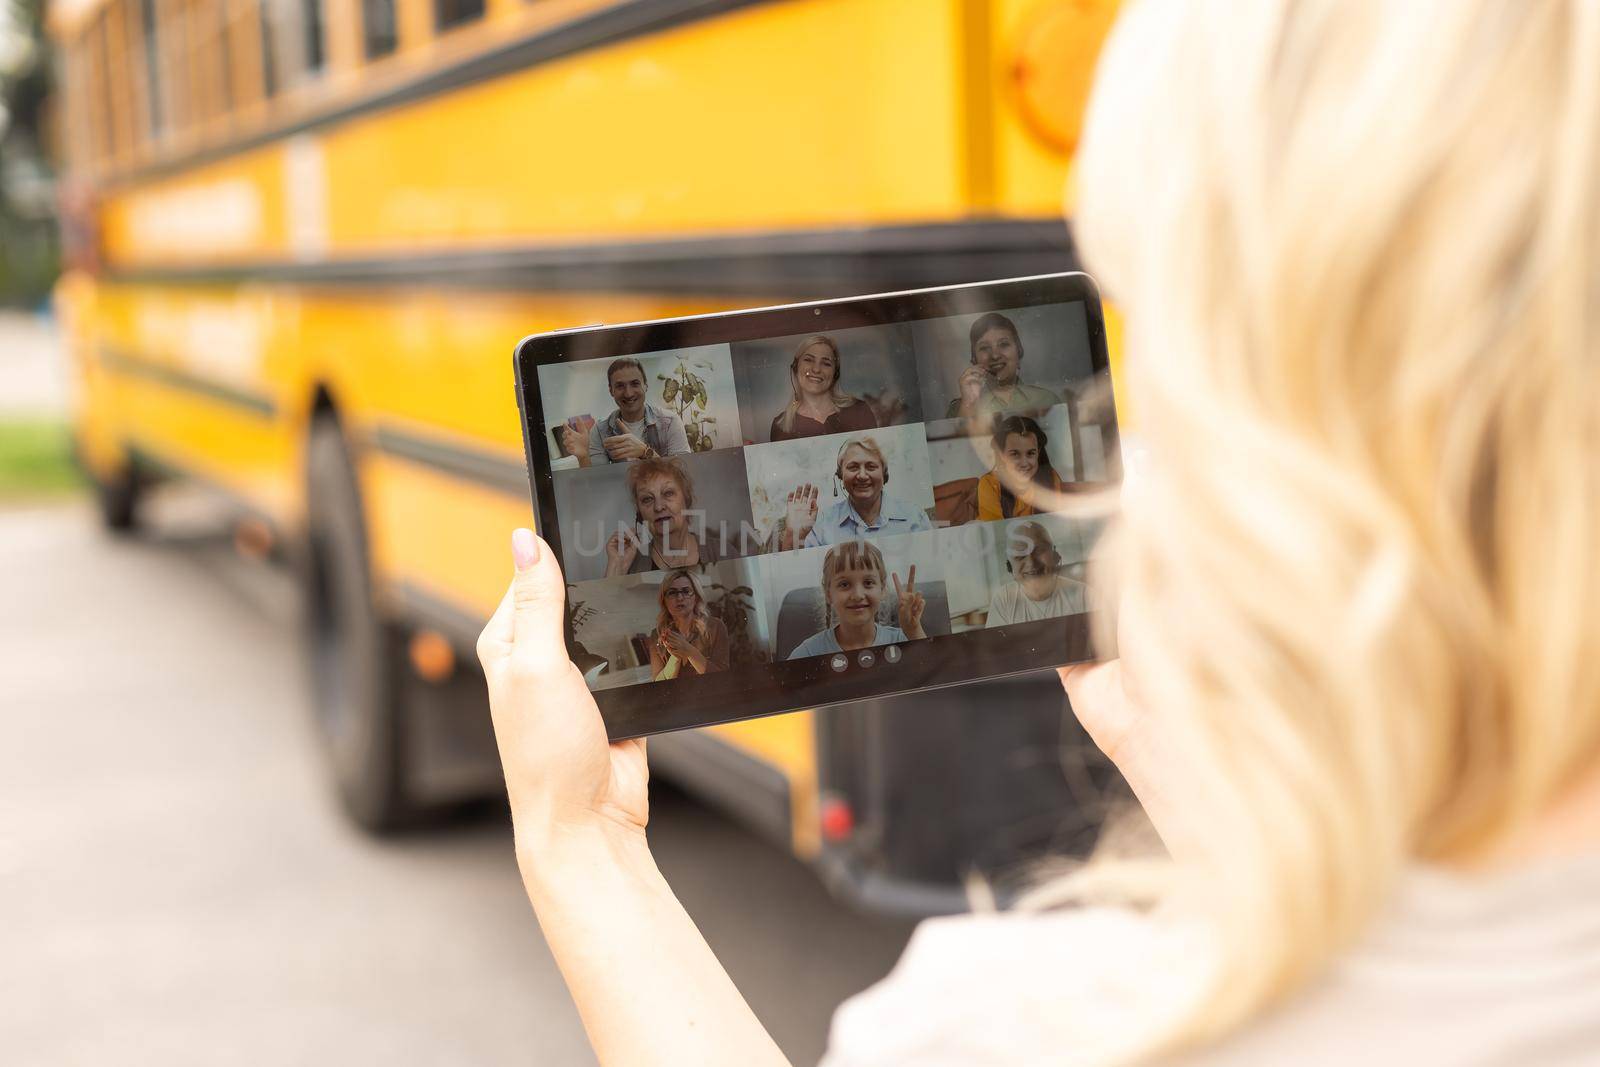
177, 887
33, 375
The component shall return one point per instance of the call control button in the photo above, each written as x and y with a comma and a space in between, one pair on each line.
840, 662
866, 658
891, 654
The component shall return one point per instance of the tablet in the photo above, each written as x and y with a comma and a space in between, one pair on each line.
792, 507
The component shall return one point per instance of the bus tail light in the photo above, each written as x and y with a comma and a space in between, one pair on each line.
432, 656
838, 820
1053, 63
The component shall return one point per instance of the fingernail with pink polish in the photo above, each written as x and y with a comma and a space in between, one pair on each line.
524, 548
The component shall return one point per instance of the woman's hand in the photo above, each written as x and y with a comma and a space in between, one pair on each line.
971, 385
621, 550
799, 514
912, 604
1109, 710
680, 646
563, 776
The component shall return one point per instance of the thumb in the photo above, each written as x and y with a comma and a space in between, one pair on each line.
538, 598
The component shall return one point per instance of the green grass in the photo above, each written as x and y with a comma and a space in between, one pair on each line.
36, 458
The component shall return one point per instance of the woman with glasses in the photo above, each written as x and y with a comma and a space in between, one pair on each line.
686, 636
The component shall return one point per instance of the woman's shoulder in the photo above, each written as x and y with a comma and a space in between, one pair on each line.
1060, 987
989, 496
855, 414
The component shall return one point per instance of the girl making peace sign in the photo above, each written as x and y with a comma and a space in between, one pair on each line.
853, 580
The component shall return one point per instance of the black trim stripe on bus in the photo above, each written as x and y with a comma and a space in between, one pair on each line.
457, 624
478, 466
797, 264
756, 791
610, 26
133, 366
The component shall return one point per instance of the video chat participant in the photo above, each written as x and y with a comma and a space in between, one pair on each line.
687, 639
1022, 477
1037, 590
663, 495
817, 405
853, 581
993, 383
635, 430
864, 511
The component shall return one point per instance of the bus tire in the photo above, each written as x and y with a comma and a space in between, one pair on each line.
353, 655
117, 500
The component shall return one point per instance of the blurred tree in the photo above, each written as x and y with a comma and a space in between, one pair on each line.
29, 246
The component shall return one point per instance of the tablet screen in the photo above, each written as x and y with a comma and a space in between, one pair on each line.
799, 506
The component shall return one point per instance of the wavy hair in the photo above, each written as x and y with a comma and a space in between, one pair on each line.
840, 398
1357, 244
702, 613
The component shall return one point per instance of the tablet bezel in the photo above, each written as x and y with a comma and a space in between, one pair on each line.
793, 685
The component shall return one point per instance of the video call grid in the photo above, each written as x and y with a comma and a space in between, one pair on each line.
761, 563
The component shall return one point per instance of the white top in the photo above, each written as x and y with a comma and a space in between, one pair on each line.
1499, 971
1011, 605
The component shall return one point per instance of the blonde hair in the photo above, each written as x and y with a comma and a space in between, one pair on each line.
1357, 244
702, 612
840, 398
851, 556
868, 444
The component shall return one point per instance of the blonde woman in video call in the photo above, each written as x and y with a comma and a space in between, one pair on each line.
817, 405
687, 638
1356, 245
854, 581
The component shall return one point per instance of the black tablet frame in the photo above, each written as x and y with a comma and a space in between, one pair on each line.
795, 685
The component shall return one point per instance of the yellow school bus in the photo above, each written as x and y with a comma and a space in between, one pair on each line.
303, 236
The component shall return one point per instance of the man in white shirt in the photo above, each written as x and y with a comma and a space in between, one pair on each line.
1038, 589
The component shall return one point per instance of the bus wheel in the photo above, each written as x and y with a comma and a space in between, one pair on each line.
354, 657
117, 499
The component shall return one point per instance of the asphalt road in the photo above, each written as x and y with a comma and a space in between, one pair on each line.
178, 887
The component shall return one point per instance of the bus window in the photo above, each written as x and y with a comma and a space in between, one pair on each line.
245, 63
156, 113
292, 48
269, 59
378, 30
222, 57
448, 13
105, 143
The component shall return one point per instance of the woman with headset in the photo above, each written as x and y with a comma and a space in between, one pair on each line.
818, 406
686, 636
663, 496
854, 580
863, 509
1023, 477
